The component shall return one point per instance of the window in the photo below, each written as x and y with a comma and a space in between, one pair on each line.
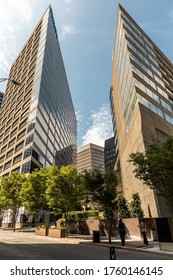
27, 152
26, 167
11, 142
19, 146
13, 132
17, 158
29, 139
31, 126
7, 165
9, 153
2, 158
23, 123
4, 149
16, 169
21, 134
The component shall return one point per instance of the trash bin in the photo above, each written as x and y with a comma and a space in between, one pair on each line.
96, 236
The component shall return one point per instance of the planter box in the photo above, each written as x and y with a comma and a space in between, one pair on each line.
41, 231
166, 246
56, 232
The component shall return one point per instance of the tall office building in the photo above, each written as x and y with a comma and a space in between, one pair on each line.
1, 99
89, 157
37, 118
141, 98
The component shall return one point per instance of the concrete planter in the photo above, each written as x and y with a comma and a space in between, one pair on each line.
166, 246
41, 231
57, 232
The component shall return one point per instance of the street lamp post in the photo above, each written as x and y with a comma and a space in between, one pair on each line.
13, 81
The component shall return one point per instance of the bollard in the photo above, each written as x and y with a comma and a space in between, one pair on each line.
112, 253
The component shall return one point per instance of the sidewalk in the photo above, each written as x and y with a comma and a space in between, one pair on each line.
131, 244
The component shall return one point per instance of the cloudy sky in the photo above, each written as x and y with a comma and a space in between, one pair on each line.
86, 31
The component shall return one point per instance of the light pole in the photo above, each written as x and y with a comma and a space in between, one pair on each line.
13, 81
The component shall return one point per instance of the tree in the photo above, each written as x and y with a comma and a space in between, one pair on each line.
65, 190
135, 206
34, 192
2, 206
11, 194
122, 207
102, 188
155, 167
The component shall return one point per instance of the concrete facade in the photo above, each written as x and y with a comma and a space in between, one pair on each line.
89, 157
142, 103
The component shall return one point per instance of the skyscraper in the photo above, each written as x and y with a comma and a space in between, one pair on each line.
37, 118
141, 98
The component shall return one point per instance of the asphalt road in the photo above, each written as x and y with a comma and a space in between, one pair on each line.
21, 246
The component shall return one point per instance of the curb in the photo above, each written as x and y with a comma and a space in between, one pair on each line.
164, 253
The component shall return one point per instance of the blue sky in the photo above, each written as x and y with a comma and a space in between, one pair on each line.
86, 31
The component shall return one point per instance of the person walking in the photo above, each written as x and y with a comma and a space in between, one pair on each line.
143, 229
122, 231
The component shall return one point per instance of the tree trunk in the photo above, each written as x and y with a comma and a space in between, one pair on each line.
66, 223
109, 229
14, 222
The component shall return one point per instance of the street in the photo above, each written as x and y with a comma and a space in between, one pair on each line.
20, 246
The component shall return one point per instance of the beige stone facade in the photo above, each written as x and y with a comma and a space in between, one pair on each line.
89, 157
142, 100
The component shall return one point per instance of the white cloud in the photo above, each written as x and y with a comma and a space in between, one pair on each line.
66, 31
12, 16
23, 9
79, 116
101, 128
68, 1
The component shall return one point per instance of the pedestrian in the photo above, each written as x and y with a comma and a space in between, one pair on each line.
143, 228
122, 231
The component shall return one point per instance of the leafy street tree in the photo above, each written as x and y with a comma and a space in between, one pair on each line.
135, 206
2, 206
65, 190
155, 167
11, 194
34, 192
122, 207
102, 188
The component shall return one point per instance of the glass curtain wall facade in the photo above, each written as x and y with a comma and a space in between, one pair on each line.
142, 103
37, 118
1, 99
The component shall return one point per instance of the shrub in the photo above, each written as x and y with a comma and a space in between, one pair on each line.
83, 215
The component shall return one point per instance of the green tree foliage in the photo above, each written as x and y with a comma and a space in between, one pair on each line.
102, 188
34, 192
155, 167
135, 206
122, 207
2, 205
65, 189
11, 197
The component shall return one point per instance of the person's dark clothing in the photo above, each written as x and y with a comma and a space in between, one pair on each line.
143, 229
122, 232
145, 238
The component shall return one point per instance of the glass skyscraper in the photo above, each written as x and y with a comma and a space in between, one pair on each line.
37, 118
141, 98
